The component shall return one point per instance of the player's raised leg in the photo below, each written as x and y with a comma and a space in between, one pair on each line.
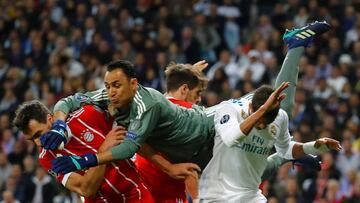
296, 39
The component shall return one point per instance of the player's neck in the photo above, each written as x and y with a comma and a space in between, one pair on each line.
175, 95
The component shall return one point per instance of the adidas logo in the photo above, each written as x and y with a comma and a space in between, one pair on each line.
306, 33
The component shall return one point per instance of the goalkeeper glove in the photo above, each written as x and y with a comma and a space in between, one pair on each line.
66, 164
55, 137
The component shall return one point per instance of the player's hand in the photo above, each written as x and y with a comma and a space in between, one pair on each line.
200, 65
56, 137
182, 170
192, 185
115, 137
325, 144
276, 97
197, 200
66, 164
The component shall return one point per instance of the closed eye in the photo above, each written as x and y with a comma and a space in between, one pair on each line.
35, 136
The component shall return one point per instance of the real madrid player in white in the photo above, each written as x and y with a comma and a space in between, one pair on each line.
245, 135
248, 128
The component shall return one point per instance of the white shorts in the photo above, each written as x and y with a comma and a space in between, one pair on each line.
247, 197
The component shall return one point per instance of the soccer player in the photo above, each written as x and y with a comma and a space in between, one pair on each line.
89, 130
182, 135
185, 84
249, 127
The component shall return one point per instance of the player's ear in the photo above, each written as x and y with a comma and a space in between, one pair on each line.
133, 84
184, 88
50, 118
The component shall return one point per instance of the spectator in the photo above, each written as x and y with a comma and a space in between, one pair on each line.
190, 45
301, 17
256, 67
333, 192
348, 159
355, 193
5, 169
232, 34
8, 197
336, 81
44, 190
207, 37
8, 141
323, 69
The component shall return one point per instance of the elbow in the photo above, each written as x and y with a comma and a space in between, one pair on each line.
282, 154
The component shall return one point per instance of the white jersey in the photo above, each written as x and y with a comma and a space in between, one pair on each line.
238, 160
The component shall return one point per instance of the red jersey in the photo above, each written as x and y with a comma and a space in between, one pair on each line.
163, 188
180, 102
88, 127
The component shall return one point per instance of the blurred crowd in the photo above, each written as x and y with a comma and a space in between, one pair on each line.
50, 49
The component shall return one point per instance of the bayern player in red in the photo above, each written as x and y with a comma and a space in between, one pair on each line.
90, 130
185, 84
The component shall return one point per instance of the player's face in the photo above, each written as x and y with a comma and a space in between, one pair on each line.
36, 129
194, 96
120, 89
261, 124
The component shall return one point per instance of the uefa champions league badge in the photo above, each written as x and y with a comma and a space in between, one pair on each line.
225, 119
82, 98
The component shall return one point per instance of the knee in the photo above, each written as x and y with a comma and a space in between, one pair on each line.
288, 108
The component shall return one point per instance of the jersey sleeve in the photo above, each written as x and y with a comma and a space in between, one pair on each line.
227, 124
283, 144
138, 131
45, 158
73, 102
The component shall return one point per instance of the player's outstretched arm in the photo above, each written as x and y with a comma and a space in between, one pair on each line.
66, 164
57, 137
316, 147
176, 171
273, 102
86, 185
71, 103
192, 186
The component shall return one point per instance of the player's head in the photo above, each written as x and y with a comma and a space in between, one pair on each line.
260, 96
186, 82
34, 119
120, 83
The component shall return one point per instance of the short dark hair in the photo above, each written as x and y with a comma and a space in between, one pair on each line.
178, 74
260, 96
126, 66
32, 110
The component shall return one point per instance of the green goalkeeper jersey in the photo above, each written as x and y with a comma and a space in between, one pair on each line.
177, 132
